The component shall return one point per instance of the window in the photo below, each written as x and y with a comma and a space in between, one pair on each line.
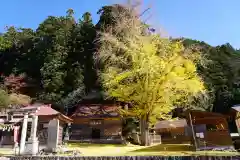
9, 117
220, 126
95, 122
215, 127
211, 127
166, 134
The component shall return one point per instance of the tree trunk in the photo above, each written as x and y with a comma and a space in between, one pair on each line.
144, 128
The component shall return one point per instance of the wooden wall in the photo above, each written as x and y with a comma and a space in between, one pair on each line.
112, 127
215, 132
217, 138
7, 138
237, 121
42, 132
82, 128
174, 135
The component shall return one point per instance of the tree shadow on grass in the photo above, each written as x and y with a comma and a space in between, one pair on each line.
165, 147
85, 145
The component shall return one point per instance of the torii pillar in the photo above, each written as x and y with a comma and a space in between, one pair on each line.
23, 134
33, 141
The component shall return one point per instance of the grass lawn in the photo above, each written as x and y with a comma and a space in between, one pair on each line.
133, 150
6, 151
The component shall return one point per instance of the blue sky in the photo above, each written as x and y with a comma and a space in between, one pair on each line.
213, 21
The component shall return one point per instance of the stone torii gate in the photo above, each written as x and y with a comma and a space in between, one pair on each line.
32, 143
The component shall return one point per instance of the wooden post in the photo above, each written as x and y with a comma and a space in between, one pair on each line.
237, 122
193, 132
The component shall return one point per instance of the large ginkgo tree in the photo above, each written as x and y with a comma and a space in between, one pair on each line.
151, 73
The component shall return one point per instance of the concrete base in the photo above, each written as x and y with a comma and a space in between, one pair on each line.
32, 147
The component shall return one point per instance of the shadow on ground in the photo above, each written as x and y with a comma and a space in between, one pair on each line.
83, 145
165, 147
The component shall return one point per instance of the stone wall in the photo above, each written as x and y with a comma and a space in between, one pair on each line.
123, 158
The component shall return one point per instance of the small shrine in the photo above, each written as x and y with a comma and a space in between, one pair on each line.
34, 126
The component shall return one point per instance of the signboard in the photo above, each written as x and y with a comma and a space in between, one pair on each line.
201, 135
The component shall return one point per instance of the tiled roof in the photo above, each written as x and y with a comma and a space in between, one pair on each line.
46, 110
171, 124
96, 110
42, 110
39, 110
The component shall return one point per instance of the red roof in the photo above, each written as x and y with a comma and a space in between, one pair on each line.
46, 110
43, 110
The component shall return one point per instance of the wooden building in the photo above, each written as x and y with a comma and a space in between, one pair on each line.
173, 131
210, 130
235, 114
96, 121
205, 130
235, 125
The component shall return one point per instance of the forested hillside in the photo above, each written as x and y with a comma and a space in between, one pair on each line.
220, 73
54, 63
